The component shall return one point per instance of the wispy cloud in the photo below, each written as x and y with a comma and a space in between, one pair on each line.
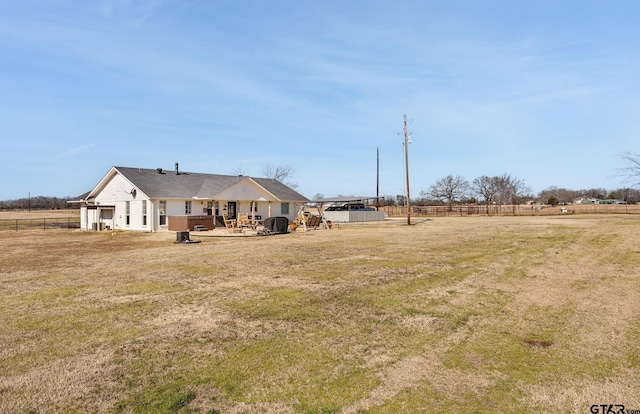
137, 10
108, 7
74, 151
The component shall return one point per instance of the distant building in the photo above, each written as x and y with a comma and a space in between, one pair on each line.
596, 201
585, 201
611, 201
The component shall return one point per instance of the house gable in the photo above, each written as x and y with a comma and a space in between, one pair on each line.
246, 190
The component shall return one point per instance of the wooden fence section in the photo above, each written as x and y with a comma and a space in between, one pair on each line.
40, 224
512, 210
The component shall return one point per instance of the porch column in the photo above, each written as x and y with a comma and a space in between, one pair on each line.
151, 220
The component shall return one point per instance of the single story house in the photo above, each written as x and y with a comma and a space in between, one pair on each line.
145, 199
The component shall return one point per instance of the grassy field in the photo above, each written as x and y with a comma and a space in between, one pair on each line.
37, 214
460, 314
21, 220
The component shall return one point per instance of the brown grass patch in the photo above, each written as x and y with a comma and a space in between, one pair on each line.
537, 343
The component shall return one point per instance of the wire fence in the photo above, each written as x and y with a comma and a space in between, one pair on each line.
70, 223
512, 210
43, 224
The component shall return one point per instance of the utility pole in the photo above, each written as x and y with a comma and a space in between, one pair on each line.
377, 178
407, 141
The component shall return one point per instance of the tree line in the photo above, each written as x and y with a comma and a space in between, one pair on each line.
38, 203
506, 190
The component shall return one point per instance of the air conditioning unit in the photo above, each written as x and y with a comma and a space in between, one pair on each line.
182, 237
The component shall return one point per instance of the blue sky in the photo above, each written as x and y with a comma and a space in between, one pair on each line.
546, 91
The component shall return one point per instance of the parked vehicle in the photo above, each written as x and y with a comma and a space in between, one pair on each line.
349, 207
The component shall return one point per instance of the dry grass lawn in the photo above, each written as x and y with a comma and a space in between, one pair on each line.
463, 314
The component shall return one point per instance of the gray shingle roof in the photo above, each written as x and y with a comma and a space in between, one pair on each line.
280, 190
168, 184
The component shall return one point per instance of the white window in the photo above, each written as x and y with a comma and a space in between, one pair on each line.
284, 208
187, 207
163, 212
144, 212
127, 212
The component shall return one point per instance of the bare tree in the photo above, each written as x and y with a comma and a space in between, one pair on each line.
501, 189
512, 190
596, 193
561, 195
503, 195
279, 173
487, 188
631, 171
630, 195
449, 189
237, 171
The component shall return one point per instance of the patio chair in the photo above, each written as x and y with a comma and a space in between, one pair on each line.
243, 219
229, 223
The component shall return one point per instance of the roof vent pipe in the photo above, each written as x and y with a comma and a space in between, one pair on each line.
177, 172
